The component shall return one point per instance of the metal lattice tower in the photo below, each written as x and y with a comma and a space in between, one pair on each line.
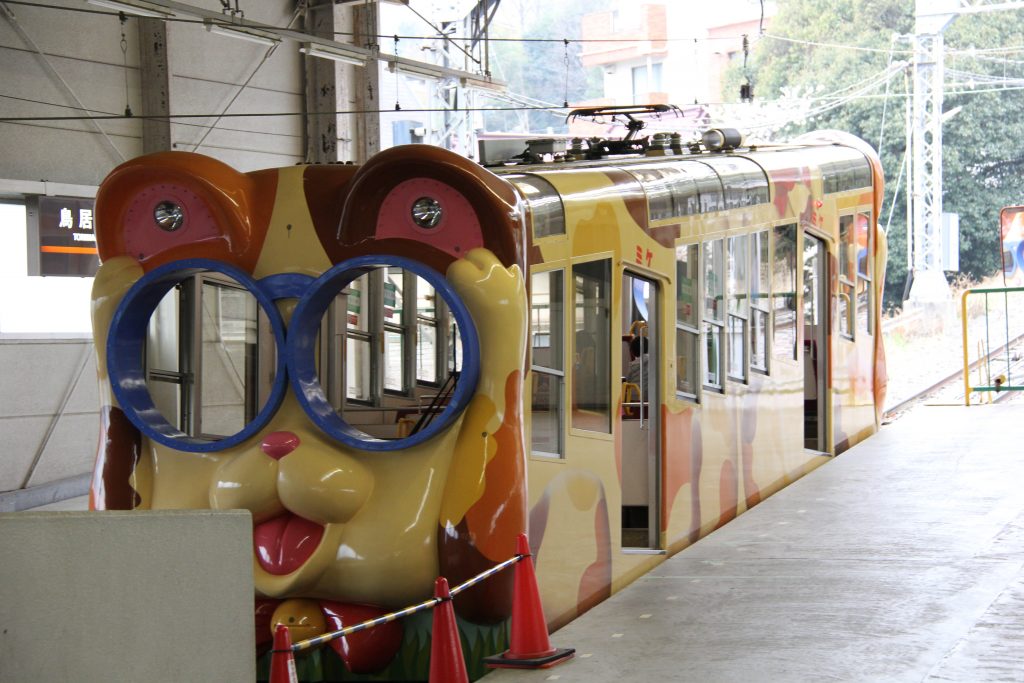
925, 246
927, 148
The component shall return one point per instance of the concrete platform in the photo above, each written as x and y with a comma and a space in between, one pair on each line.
901, 560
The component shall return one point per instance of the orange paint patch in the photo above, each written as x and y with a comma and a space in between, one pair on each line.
678, 440
596, 582
727, 493
751, 491
500, 515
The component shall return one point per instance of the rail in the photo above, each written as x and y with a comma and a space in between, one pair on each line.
989, 381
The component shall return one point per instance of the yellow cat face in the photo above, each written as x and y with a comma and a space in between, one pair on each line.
340, 518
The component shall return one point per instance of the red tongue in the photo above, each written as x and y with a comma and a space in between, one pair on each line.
284, 543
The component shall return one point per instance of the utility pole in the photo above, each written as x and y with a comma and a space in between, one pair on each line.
925, 229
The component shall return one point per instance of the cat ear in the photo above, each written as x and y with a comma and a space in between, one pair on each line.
173, 205
431, 205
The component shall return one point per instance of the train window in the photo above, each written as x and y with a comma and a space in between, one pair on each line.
358, 359
591, 394
671, 193
737, 263
714, 312
847, 252
743, 181
841, 175
202, 357
544, 203
687, 322
784, 293
709, 186
547, 323
864, 245
760, 303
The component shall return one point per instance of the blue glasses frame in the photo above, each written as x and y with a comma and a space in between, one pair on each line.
296, 358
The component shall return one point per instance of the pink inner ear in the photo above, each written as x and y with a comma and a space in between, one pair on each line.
456, 233
143, 238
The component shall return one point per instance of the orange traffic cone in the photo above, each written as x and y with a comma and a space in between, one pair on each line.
282, 659
446, 662
529, 647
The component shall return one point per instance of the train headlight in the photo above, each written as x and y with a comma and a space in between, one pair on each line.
168, 216
426, 212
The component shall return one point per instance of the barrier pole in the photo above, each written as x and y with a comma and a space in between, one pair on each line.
967, 363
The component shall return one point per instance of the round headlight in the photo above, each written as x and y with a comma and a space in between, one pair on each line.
168, 216
426, 212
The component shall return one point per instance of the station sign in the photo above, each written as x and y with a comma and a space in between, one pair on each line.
67, 237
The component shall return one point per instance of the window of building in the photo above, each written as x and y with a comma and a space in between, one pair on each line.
714, 313
846, 308
547, 322
687, 319
760, 301
395, 328
203, 356
359, 365
55, 307
427, 357
646, 79
784, 292
591, 384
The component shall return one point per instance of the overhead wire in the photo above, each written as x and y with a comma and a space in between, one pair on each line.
266, 55
136, 116
861, 89
885, 106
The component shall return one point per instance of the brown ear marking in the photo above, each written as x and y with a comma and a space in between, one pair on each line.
493, 199
119, 451
226, 212
327, 188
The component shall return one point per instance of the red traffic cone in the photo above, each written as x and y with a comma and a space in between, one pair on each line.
446, 662
529, 647
282, 659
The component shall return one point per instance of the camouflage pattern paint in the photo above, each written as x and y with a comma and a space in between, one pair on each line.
388, 523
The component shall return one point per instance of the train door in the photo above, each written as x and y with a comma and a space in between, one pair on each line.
816, 347
639, 416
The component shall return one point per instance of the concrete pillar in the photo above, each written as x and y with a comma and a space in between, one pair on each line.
321, 86
364, 88
154, 85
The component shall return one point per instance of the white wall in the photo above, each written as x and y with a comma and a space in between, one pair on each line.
33, 306
55, 60
209, 73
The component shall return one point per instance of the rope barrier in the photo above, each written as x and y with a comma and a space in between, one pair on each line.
310, 643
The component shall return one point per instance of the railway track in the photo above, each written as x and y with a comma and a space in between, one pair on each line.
950, 388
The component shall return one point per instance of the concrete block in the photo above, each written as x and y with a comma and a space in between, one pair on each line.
126, 596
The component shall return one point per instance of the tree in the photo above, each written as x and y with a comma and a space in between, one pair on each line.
825, 47
538, 70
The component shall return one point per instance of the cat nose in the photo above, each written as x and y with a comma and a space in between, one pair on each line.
279, 444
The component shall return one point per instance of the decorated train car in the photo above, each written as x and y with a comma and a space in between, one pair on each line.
399, 367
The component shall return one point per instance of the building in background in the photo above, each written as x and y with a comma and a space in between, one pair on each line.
669, 52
